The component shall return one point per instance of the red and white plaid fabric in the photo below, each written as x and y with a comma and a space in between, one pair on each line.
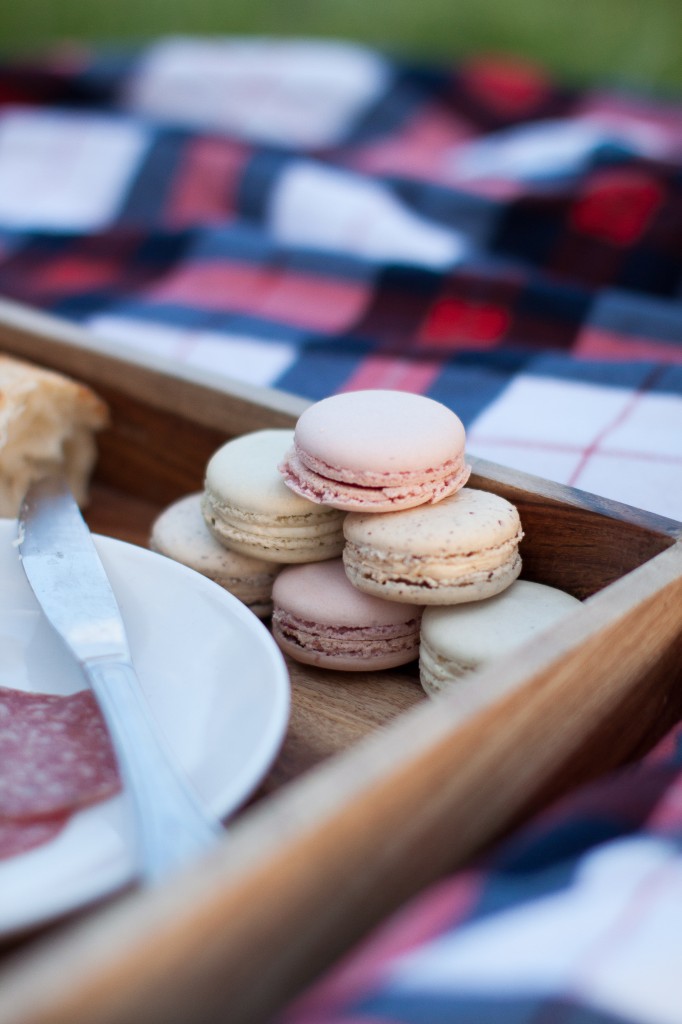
318, 217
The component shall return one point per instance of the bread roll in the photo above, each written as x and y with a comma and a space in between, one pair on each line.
47, 422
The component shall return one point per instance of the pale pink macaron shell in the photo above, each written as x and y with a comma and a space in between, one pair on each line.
377, 451
319, 618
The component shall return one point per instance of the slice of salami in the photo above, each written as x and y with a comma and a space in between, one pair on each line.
21, 836
55, 754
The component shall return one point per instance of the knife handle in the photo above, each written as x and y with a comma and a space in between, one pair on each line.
172, 826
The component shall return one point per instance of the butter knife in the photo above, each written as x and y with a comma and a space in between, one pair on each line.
68, 579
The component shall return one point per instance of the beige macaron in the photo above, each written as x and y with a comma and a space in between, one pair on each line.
458, 640
249, 508
464, 548
180, 533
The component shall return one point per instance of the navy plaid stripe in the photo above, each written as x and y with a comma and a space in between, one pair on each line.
402, 1008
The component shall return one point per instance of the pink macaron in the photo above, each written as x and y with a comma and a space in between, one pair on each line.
320, 618
377, 451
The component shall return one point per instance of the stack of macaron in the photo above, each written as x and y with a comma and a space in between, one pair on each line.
416, 538
358, 533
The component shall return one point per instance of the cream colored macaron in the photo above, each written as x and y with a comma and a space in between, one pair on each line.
249, 508
458, 640
463, 548
180, 533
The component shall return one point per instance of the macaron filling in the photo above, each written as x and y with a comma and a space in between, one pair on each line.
318, 532
472, 586
432, 567
347, 639
382, 478
352, 491
346, 647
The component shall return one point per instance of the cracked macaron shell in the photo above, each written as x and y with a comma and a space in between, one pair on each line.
464, 548
249, 508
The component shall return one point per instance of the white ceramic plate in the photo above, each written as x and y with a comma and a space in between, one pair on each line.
215, 680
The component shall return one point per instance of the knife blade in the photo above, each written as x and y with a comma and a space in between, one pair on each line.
69, 581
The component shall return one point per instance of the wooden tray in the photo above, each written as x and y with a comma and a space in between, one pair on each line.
377, 790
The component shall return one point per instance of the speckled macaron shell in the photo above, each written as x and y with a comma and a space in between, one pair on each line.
456, 641
320, 619
377, 451
180, 533
248, 507
464, 548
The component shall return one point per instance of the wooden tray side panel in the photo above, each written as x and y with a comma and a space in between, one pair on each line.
153, 454
574, 540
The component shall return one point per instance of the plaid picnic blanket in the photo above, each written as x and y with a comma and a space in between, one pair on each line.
574, 920
318, 216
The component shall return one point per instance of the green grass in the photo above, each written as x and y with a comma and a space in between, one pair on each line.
625, 41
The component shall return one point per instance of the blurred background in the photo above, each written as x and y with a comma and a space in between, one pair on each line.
637, 42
